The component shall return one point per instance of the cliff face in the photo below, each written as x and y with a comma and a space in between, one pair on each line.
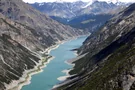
45, 30
109, 64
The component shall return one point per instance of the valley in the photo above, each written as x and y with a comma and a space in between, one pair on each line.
57, 70
25, 35
63, 45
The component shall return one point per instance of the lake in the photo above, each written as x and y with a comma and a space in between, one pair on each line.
49, 77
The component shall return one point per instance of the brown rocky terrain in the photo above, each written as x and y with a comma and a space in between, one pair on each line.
44, 29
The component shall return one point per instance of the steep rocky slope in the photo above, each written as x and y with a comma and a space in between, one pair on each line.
46, 30
112, 30
14, 59
109, 64
23, 32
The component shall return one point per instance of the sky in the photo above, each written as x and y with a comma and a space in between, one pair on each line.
32, 1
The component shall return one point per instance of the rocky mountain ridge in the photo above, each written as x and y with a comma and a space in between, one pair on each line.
24, 33
117, 26
71, 10
87, 22
44, 29
81, 15
14, 60
109, 63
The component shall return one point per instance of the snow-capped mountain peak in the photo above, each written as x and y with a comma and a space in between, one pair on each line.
89, 3
116, 2
112, 1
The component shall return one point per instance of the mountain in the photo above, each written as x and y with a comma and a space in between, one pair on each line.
63, 10
24, 34
108, 57
82, 15
14, 57
44, 29
71, 10
89, 22
21, 33
100, 7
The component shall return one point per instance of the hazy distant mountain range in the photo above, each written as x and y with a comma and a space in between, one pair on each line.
85, 15
71, 1
70, 10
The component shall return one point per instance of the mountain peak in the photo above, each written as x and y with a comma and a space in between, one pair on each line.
71, 1
113, 1
92, 1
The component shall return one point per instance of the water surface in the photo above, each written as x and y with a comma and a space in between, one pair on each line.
48, 78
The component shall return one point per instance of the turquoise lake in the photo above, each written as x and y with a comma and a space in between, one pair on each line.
48, 78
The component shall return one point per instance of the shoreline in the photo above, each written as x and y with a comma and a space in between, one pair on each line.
27, 74
66, 71
69, 62
64, 78
25, 79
